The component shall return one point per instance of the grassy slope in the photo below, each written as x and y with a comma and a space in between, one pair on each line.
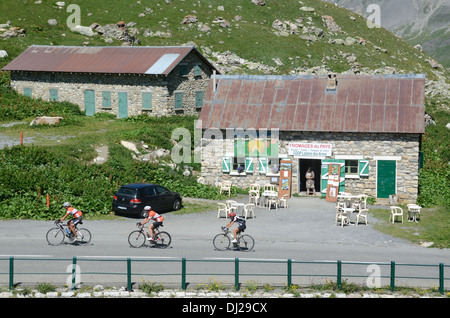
252, 38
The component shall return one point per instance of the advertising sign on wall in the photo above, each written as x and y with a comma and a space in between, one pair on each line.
303, 149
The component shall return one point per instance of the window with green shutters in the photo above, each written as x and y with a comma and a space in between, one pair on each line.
106, 99
27, 92
199, 99
146, 100
53, 94
178, 100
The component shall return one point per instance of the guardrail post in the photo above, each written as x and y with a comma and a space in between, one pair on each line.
289, 273
74, 271
441, 278
236, 274
11, 272
392, 276
339, 274
183, 273
129, 274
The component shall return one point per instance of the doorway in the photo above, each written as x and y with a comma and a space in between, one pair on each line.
303, 165
123, 105
89, 102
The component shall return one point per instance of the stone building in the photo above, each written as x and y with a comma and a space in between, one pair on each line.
125, 81
369, 125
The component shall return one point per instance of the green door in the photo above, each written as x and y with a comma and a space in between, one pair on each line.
386, 180
123, 104
89, 102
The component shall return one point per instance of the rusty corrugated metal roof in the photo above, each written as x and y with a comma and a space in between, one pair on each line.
360, 103
155, 60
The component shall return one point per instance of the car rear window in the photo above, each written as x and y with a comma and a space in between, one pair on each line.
127, 191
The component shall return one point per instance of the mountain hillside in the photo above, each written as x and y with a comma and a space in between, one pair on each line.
239, 36
424, 22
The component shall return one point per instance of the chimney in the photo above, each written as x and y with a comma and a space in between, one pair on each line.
332, 81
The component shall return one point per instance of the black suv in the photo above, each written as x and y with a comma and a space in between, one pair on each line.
131, 199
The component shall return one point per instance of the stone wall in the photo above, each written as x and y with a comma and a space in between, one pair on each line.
71, 87
404, 147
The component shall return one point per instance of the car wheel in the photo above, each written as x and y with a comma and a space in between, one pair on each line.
177, 205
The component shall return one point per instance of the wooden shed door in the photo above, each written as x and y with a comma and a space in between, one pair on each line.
123, 104
386, 178
89, 102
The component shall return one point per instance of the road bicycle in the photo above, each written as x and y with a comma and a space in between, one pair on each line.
138, 238
223, 240
56, 236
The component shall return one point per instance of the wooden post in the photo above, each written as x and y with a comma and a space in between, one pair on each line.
21, 138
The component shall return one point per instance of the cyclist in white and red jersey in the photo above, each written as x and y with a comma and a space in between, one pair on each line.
152, 215
76, 214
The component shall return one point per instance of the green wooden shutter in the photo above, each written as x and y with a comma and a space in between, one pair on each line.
363, 168
106, 99
249, 165
27, 91
197, 70
199, 99
262, 165
178, 100
146, 100
226, 164
53, 94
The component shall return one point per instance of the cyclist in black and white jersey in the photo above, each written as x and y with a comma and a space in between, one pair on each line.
241, 225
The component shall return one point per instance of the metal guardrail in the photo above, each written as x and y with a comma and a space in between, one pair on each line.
288, 275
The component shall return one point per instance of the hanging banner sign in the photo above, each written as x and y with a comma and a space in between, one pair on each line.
301, 149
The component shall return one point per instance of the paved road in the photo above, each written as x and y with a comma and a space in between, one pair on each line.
305, 231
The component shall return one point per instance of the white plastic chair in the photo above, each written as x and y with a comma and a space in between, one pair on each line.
272, 201
225, 186
222, 208
361, 203
253, 197
284, 200
249, 209
342, 217
362, 213
269, 187
231, 207
395, 212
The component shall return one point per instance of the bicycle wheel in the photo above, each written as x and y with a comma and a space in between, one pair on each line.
162, 240
221, 242
246, 243
55, 236
136, 238
83, 236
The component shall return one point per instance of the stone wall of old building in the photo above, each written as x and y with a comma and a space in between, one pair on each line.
71, 88
404, 148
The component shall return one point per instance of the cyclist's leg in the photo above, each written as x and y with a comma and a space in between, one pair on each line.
74, 223
236, 231
71, 227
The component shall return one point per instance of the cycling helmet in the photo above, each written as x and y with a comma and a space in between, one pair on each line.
147, 207
232, 214
66, 204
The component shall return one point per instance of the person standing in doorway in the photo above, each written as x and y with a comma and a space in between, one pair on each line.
310, 181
